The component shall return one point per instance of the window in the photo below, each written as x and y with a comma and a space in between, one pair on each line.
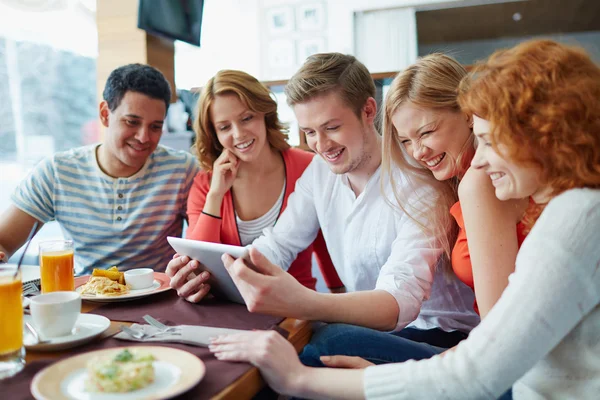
47, 86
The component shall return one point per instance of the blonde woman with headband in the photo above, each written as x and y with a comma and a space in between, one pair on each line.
242, 146
537, 119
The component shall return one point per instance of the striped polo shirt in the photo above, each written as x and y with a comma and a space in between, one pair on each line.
112, 221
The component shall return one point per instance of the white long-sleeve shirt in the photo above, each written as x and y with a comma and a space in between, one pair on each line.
544, 331
372, 246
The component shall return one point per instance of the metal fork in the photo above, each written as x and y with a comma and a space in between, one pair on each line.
132, 332
158, 325
142, 335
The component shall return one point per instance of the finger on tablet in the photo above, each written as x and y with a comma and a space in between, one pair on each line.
175, 265
195, 298
192, 286
179, 278
259, 263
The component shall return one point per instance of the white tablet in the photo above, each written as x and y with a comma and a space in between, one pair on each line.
209, 255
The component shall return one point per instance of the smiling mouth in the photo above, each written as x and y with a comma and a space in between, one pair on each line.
244, 145
434, 162
333, 155
496, 175
140, 149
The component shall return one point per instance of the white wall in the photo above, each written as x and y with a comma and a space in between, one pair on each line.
233, 34
229, 40
339, 31
341, 18
395, 46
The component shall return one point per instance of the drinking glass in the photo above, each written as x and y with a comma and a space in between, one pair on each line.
12, 352
56, 266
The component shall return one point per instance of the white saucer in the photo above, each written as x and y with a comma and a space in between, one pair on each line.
87, 327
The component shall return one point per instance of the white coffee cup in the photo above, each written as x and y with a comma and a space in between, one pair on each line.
54, 314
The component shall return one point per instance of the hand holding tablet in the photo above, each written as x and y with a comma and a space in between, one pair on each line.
209, 256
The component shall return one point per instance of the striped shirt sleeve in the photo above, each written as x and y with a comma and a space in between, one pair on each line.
35, 194
192, 170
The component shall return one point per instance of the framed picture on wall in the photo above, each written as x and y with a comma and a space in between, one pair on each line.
310, 16
280, 20
308, 47
281, 54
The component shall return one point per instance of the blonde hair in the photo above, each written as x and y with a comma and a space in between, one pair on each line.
331, 72
253, 94
432, 82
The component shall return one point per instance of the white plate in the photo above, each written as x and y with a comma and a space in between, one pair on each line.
26, 302
87, 327
161, 284
176, 371
165, 374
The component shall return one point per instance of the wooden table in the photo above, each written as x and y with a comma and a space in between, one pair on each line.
245, 387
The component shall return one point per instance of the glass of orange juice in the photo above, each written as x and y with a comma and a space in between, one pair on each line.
56, 266
12, 352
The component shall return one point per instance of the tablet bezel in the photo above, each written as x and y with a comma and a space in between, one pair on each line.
209, 255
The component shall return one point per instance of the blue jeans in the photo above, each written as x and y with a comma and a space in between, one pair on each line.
379, 347
376, 346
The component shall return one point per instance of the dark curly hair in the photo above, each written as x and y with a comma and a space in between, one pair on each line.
542, 100
138, 78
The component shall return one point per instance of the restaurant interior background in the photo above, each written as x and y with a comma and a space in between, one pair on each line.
50, 71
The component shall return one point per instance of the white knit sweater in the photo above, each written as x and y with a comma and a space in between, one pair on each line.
543, 335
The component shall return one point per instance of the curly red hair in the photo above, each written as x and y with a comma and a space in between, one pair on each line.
542, 100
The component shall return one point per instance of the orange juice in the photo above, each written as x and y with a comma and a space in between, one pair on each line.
56, 270
11, 315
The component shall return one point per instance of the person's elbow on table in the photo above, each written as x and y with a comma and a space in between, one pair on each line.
189, 285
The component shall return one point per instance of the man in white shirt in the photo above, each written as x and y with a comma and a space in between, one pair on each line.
384, 258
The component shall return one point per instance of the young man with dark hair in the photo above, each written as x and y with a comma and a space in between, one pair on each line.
117, 200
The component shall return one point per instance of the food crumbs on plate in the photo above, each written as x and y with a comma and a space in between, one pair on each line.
124, 372
99, 285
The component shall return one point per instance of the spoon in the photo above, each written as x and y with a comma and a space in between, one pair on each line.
35, 335
31, 234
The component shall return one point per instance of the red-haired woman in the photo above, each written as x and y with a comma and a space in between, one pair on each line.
537, 109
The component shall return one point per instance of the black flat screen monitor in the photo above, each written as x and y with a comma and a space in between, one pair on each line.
173, 19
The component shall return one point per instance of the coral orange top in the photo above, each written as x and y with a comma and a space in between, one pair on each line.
225, 230
461, 259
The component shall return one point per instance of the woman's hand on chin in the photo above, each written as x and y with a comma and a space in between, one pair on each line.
224, 172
